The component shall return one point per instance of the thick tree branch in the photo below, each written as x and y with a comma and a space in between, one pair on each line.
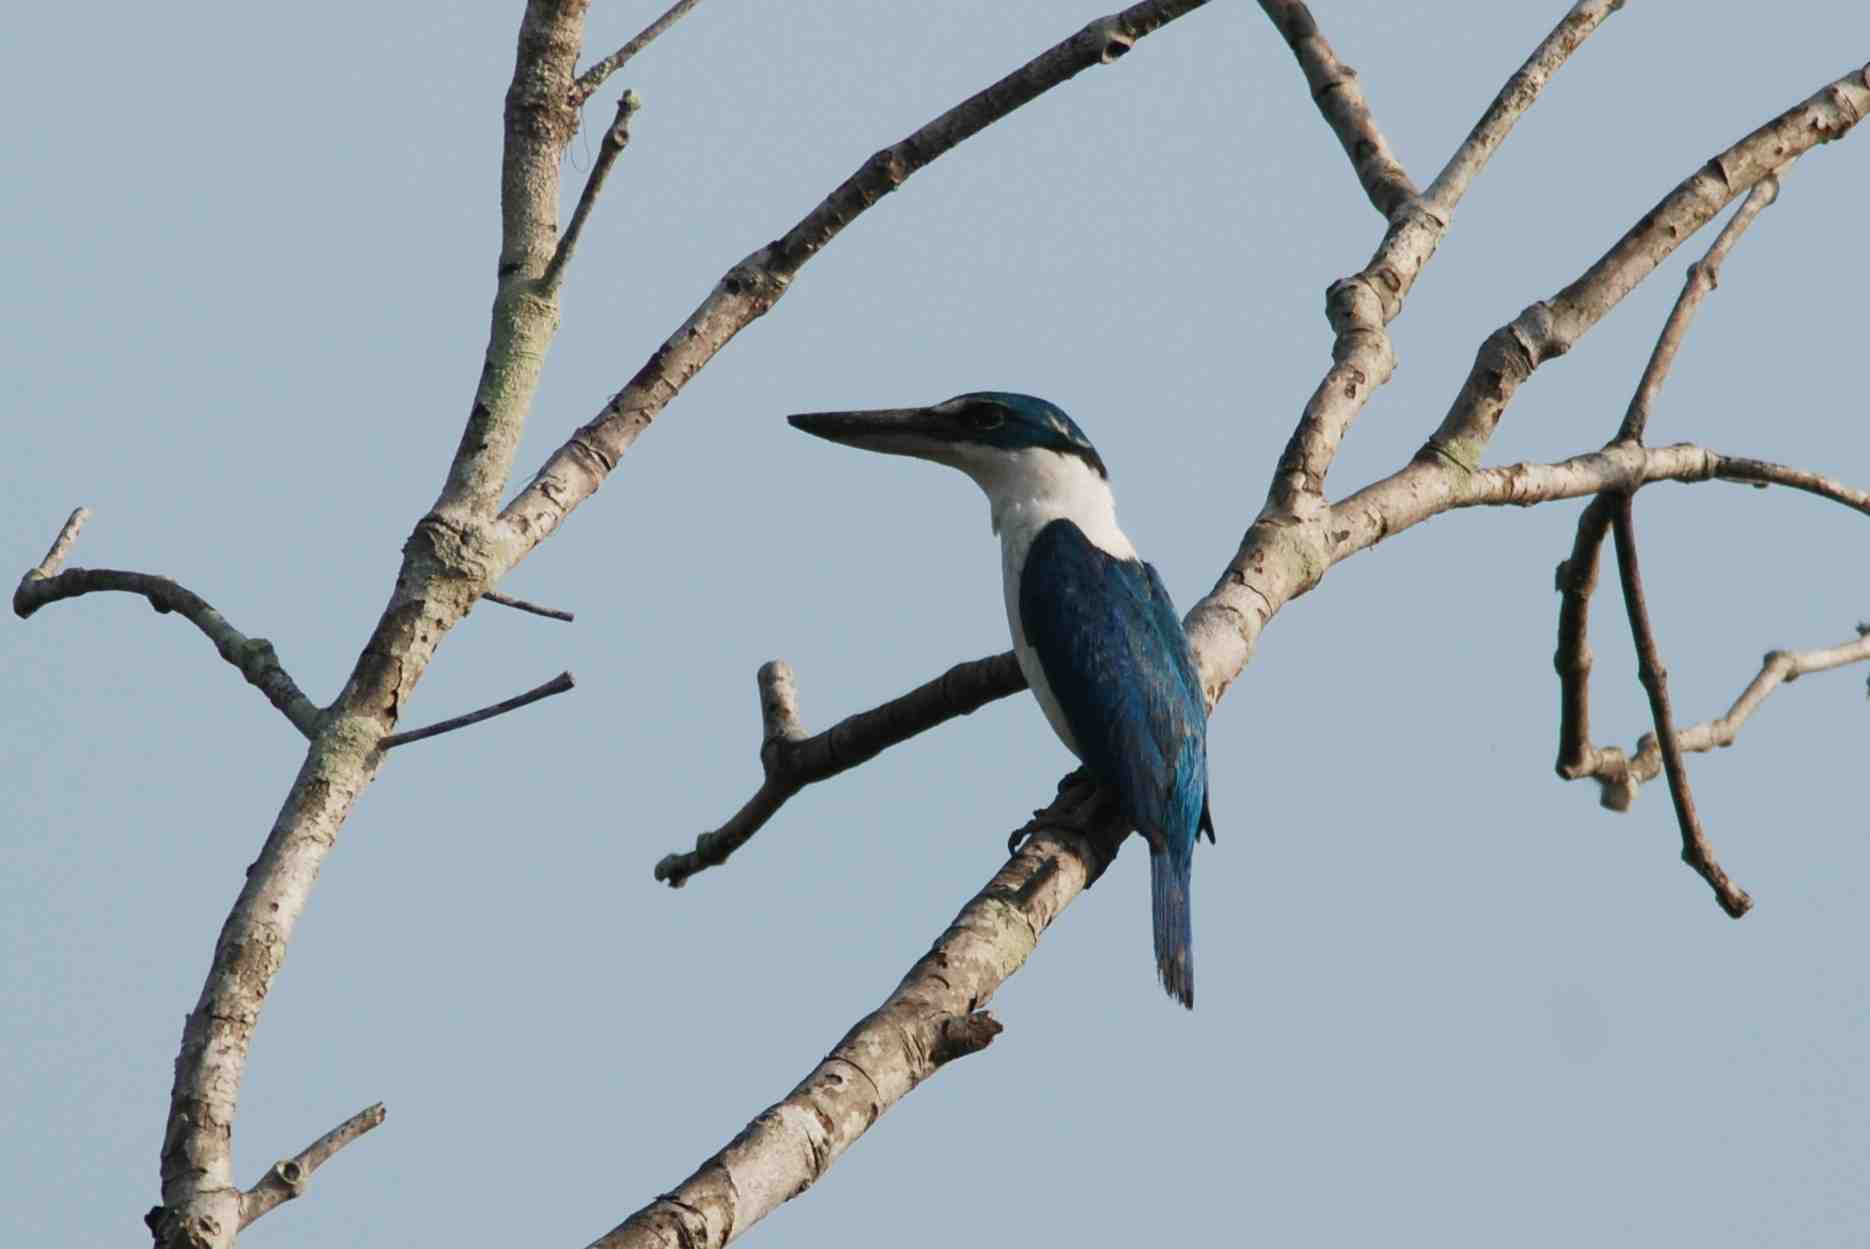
615, 140
933, 1016
1340, 98
1295, 539
1360, 306
446, 567
748, 290
791, 760
1445, 472
287, 1178
1697, 851
591, 79
254, 657
560, 684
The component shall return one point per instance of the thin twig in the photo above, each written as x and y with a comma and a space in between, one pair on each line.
60, 549
520, 604
287, 1178
1697, 852
1340, 99
557, 685
1703, 276
255, 658
591, 79
615, 140
791, 760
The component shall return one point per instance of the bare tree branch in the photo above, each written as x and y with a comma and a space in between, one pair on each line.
1697, 851
287, 1178
615, 140
750, 289
1360, 306
253, 657
1445, 472
791, 760
1339, 97
560, 684
591, 79
445, 568
1577, 580
1703, 276
520, 604
60, 549
933, 1016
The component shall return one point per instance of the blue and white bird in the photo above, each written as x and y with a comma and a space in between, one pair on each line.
1099, 641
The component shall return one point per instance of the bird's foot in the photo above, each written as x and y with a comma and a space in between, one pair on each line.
1081, 807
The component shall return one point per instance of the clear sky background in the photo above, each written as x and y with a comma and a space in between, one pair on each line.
1445, 999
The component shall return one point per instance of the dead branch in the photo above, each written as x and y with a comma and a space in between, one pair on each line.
520, 604
791, 760
1703, 276
751, 288
253, 657
1697, 851
560, 684
591, 79
1340, 98
287, 1178
615, 140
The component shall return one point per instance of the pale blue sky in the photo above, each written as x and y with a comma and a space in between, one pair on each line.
1445, 999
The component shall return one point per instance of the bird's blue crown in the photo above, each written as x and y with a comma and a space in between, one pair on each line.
1014, 421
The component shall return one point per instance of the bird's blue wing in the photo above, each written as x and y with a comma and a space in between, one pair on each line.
1113, 652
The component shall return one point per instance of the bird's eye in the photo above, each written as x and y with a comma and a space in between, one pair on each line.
983, 416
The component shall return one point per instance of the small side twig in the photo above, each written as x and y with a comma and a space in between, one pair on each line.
1697, 852
615, 140
791, 760
557, 685
1703, 276
1340, 98
591, 79
520, 604
287, 1178
1577, 580
51, 582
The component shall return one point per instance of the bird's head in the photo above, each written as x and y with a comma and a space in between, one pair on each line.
987, 434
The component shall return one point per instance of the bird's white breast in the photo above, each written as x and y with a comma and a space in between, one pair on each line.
1027, 491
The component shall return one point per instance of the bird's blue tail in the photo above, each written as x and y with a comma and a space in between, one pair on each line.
1175, 955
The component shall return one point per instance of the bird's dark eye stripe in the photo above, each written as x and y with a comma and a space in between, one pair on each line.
983, 415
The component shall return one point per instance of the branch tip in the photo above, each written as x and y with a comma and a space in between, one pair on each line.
287, 1179
520, 604
559, 684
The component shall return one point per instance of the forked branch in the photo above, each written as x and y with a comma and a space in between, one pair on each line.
791, 760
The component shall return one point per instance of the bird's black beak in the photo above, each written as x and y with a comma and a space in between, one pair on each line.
895, 431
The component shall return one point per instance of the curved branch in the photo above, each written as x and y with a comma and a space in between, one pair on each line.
791, 760
1339, 97
750, 289
254, 657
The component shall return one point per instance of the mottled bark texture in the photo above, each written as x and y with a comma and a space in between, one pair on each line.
467, 542
1295, 540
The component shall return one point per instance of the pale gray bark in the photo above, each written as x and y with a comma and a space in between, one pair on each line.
467, 542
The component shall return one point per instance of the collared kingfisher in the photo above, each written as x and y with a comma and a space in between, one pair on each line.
1096, 636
